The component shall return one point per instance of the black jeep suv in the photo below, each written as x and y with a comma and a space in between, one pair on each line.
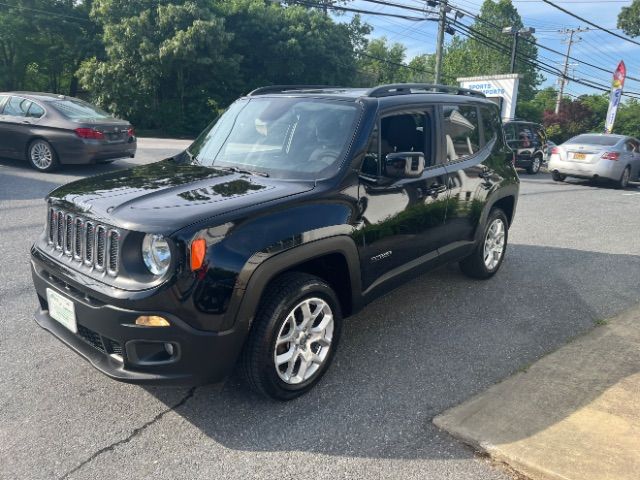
293, 210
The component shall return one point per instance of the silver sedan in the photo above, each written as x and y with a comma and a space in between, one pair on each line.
594, 156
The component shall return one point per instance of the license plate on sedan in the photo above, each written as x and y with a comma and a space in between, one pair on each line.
579, 156
62, 309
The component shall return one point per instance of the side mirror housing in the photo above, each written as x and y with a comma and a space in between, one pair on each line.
404, 165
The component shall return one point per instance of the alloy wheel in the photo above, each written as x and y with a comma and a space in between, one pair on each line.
304, 341
494, 244
41, 155
624, 181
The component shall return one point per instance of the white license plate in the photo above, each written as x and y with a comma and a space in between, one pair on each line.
62, 309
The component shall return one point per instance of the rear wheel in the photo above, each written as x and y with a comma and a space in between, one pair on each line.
535, 165
293, 338
41, 156
625, 178
487, 256
558, 177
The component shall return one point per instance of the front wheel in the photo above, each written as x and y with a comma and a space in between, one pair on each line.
293, 338
41, 156
487, 256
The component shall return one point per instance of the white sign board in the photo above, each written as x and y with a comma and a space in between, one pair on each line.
502, 88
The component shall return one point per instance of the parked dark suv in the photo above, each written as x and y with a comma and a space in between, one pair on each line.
529, 142
293, 210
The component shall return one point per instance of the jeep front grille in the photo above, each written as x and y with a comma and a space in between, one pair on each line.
89, 244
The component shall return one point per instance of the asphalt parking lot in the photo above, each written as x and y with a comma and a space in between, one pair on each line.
573, 259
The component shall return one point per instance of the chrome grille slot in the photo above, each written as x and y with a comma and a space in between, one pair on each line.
68, 233
51, 226
101, 241
77, 239
114, 251
59, 229
89, 240
94, 246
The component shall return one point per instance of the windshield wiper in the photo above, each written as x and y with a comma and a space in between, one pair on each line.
235, 169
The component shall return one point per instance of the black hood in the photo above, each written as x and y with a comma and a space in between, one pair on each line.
166, 196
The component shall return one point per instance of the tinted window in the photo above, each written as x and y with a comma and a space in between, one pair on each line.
490, 123
509, 132
594, 140
526, 135
284, 137
35, 111
75, 109
17, 107
462, 131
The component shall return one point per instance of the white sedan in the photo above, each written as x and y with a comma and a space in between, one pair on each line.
595, 156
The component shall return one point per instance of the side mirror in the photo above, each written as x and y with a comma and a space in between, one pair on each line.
404, 165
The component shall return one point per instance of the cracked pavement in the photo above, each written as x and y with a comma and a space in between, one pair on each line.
573, 259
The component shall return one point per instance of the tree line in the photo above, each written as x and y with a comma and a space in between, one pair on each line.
170, 66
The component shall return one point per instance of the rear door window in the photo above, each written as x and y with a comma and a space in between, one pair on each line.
17, 107
3, 98
462, 131
35, 111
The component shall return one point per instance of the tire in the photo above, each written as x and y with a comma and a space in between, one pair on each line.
558, 177
42, 156
625, 178
535, 165
281, 316
481, 263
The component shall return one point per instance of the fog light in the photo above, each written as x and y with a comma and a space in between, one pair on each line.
152, 321
169, 348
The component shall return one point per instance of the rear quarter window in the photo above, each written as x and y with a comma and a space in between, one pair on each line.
491, 123
78, 110
462, 131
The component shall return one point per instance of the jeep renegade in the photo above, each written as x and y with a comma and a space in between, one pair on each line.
297, 207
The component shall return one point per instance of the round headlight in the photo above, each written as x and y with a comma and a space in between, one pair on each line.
156, 254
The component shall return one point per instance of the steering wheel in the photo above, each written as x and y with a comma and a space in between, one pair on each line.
326, 156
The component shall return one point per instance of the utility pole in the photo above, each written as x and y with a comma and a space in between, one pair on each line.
442, 18
516, 34
565, 68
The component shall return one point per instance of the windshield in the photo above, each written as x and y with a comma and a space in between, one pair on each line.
79, 110
297, 138
594, 140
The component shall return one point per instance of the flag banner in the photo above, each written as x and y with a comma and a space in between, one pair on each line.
616, 94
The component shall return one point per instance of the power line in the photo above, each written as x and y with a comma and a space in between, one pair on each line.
357, 10
491, 24
588, 22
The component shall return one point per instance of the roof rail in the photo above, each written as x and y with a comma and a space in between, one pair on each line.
407, 88
289, 88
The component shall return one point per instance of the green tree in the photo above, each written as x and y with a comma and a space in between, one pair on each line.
381, 62
629, 19
43, 42
472, 56
533, 110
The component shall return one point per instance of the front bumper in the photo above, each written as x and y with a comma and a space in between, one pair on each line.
109, 339
609, 169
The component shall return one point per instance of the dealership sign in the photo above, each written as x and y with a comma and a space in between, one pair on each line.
616, 94
503, 89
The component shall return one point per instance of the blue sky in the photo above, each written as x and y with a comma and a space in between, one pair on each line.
596, 47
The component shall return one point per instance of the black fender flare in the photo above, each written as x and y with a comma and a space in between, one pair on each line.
262, 267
